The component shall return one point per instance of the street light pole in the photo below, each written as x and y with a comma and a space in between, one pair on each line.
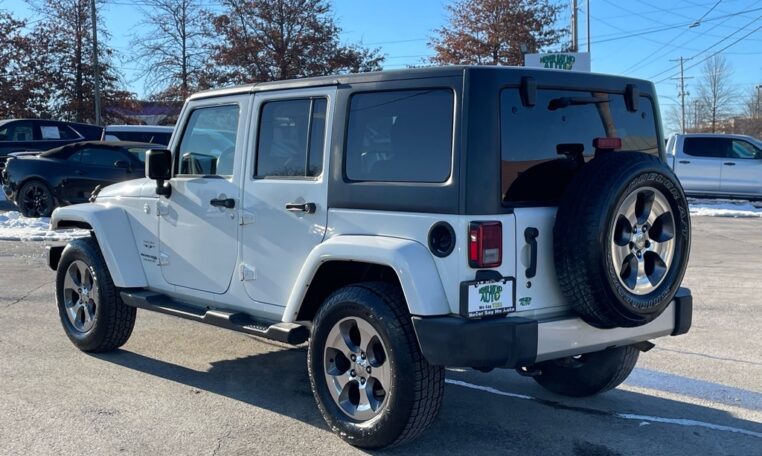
96, 76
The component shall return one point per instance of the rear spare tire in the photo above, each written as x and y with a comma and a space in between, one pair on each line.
621, 239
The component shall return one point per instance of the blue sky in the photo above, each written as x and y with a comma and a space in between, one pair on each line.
635, 37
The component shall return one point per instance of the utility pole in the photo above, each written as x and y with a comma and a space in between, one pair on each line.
682, 93
96, 76
574, 34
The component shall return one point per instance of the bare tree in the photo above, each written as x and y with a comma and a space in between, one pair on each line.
753, 113
262, 40
174, 47
716, 92
493, 32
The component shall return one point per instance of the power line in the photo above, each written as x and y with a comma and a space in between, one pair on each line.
719, 51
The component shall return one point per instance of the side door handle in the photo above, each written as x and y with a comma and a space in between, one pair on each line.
684, 162
228, 203
309, 208
729, 164
530, 236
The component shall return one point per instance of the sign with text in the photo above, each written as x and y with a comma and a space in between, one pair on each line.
573, 61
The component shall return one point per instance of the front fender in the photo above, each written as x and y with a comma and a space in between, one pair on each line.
113, 232
410, 260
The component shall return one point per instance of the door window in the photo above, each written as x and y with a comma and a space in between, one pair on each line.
291, 138
17, 131
208, 143
745, 150
57, 132
101, 157
400, 136
707, 147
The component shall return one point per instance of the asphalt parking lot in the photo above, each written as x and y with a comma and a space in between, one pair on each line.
178, 387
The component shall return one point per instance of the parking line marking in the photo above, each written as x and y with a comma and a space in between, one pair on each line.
625, 416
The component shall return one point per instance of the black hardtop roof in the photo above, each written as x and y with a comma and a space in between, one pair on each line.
543, 76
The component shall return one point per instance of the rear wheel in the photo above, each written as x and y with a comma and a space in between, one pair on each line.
587, 374
370, 380
35, 199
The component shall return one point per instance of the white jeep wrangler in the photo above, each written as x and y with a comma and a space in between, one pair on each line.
401, 222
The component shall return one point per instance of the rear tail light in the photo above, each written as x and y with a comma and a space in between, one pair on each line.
485, 244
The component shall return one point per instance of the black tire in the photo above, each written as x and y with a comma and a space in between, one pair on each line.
113, 321
584, 230
588, 374
416, 390
35, 199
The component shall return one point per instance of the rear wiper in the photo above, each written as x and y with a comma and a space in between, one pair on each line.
564, 102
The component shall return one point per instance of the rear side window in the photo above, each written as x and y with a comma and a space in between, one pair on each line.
57, 132
707, 147
400, 136
291, 138
208, 144
139, 136
538, 142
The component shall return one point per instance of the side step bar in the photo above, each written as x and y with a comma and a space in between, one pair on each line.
289, 333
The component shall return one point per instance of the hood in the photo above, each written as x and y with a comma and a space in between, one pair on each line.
135, 188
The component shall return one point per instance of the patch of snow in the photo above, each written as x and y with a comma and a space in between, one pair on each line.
15, 227
725, 208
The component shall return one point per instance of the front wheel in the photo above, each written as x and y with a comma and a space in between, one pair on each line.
92, 314
588, 374
371, 382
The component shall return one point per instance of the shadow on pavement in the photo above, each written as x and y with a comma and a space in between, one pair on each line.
472, 419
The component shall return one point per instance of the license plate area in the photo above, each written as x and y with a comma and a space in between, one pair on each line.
486, 298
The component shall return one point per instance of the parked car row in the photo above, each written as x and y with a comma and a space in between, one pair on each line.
46, 163
717, 165
37, 184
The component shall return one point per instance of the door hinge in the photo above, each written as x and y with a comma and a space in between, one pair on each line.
162, 208
247, 272
245, 217
163, 259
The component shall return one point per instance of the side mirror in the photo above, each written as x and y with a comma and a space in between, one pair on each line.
124, 164
159, 168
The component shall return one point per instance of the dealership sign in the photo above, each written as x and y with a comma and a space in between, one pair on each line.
574, 61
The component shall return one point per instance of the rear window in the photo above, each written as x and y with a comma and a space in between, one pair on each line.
400, 136
534, 138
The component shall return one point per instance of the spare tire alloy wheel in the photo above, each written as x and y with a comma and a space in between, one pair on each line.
356, 369
642, 241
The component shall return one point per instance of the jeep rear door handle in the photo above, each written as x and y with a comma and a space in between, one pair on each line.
309, 208
684, 162
223, 202
729, 164
530, 236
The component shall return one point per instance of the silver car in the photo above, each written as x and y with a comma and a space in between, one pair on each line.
717, 164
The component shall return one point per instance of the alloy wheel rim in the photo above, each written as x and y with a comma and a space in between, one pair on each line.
643, 240
357, 369
81, 298
36, 200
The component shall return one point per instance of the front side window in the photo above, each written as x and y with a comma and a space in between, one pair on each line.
400, 136
17, 131
209, 141
291, 138
101, 157
745, 150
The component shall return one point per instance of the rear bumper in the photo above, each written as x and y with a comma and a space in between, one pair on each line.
512, 342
